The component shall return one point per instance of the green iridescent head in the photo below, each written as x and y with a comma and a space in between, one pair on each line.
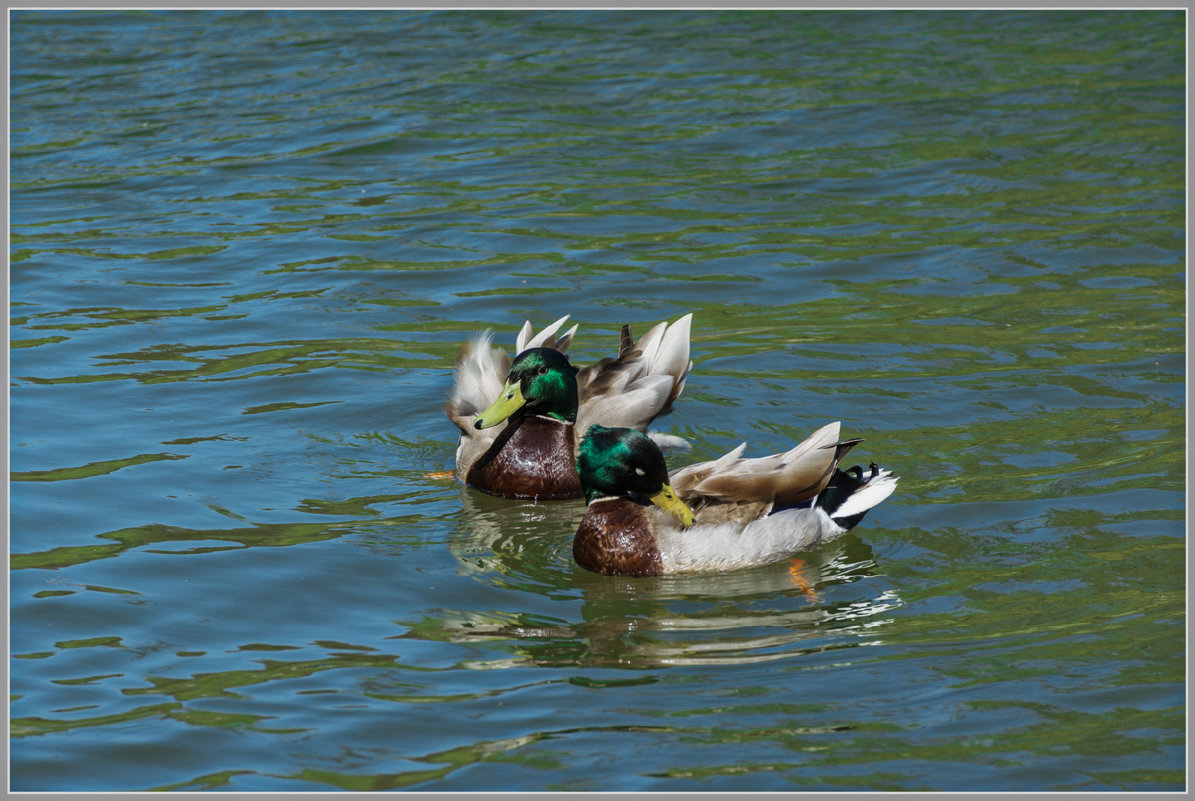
541, 381
624, 463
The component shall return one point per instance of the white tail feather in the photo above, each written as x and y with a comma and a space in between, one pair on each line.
669, 443
649, 344
867, 496
478, 380
525, 334
525, 340
672, 356
565, 339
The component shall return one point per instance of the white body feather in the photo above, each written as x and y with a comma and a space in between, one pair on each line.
731, 546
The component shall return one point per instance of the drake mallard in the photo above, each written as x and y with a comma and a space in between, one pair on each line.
721, 515
520, 421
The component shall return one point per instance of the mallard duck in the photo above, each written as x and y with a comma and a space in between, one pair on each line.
721, 515
519, 421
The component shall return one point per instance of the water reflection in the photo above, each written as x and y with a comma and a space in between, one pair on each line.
771, 613
499, 537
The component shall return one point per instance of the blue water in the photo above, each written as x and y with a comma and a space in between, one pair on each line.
246, 246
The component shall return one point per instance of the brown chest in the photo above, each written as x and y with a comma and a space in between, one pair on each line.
615, 538
534, 459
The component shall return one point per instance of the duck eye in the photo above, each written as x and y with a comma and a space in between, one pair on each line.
543, 369
639, 471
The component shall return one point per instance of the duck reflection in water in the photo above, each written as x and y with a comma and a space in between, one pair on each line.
783, 610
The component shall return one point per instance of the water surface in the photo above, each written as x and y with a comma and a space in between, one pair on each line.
245, 247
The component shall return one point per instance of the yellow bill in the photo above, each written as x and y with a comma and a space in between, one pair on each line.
510, 400
666, 499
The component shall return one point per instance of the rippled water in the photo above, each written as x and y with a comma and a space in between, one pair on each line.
246, 246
